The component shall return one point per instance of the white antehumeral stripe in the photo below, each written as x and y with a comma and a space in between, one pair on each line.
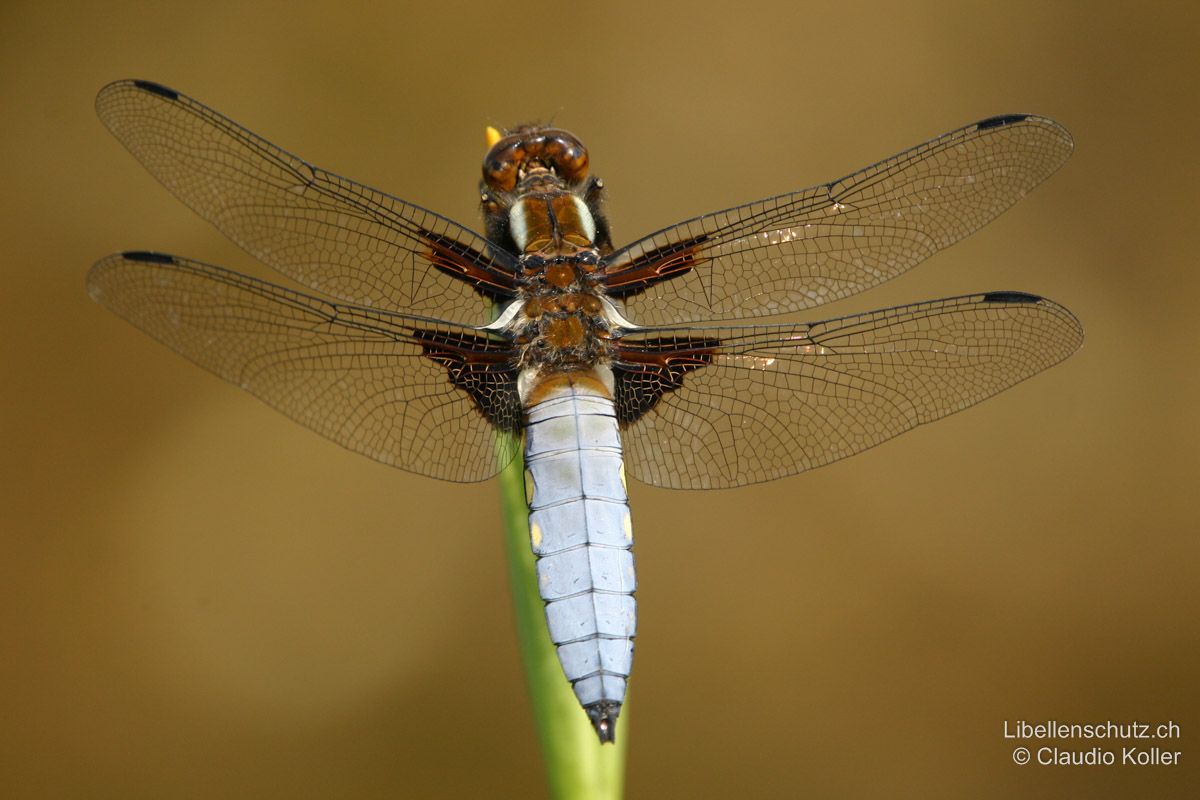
585, 217
518, 225
580, 526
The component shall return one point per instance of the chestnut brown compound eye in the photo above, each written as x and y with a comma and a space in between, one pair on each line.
503, 162
567, 153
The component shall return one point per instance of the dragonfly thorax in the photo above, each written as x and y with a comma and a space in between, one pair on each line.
551, 223
563, 323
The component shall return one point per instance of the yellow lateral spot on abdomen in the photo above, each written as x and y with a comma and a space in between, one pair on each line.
535, 534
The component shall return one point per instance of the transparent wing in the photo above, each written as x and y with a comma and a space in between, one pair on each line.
727, 406
331, 234
414, 393
803, 249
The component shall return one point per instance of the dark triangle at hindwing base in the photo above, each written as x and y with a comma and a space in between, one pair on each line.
484, 368
646, 369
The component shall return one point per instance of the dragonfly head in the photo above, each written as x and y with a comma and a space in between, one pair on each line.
531, 152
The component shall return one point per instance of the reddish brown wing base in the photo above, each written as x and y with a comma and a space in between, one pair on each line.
656, 266
458, 260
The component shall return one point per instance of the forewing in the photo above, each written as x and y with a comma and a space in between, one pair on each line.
414, 393
329, 233
728, 406
803, 249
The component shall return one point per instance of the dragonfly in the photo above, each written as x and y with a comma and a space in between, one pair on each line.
449, 354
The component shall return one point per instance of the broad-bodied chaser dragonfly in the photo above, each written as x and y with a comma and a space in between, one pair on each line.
436, 338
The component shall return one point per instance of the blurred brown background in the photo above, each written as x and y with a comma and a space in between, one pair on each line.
202, 599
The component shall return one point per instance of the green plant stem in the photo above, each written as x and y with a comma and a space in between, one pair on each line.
578, 767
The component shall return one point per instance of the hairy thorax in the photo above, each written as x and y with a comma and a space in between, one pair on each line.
563, 324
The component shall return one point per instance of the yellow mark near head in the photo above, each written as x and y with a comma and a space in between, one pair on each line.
535, 534
492, 136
